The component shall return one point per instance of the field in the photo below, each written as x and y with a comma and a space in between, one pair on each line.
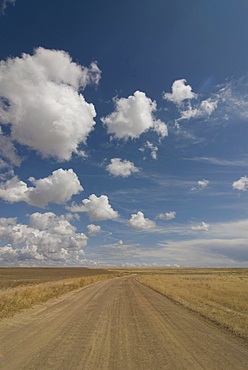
117, 324
220, 295
21, 288
11, 277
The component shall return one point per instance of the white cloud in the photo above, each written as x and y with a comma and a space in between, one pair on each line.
202, 227
8, 254
82, 153
203, 183
124, 168
234, 99
208, 106
39, 98
230, 102
97, 208
211, 252
224, 245
93, 229
180, 92
219, 162
8, 151
167, 216
41, 220
241, 184
13, 190
133, 116
235, 229
205, 108
71, 216
119, 245
161, 128
48, 220
3, 164
150, 146
46, 238
56, 188
138, 221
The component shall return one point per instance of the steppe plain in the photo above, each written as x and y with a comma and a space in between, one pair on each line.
75, 318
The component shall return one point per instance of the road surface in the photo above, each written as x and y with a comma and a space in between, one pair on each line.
116, 324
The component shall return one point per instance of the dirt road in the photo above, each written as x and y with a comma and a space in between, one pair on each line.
116, 324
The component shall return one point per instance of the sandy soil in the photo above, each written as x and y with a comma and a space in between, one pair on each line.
116, 324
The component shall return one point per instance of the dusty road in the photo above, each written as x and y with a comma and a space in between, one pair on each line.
117, 324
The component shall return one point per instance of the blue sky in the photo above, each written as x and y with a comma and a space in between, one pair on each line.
124, 133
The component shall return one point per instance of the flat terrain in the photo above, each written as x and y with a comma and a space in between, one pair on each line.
220, 295
116, 324
11, 277
22, 288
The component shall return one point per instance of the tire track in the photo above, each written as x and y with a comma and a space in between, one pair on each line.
116, 324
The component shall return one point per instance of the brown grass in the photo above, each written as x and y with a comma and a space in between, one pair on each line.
220, 295
23, 288
11, 277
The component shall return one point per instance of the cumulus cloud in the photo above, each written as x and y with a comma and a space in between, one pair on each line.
180, 92
8, 151
138, 221
133, 116
167, 216
203, 183
48, 220
93, 229
97, 208
241, 184
230, 101
40, 99
119, 167
182, 96
202, 227
161, 128
56, 188
47, 238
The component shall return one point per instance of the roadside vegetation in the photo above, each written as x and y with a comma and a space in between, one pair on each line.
11, 277
23, 288
220, 295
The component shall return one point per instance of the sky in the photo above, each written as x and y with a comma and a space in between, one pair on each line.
123, 133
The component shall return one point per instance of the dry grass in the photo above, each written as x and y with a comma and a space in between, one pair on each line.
11, 277
221, 295
23, 288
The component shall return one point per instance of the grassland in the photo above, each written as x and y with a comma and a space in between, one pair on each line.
220, 295
11, 277
21, 288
